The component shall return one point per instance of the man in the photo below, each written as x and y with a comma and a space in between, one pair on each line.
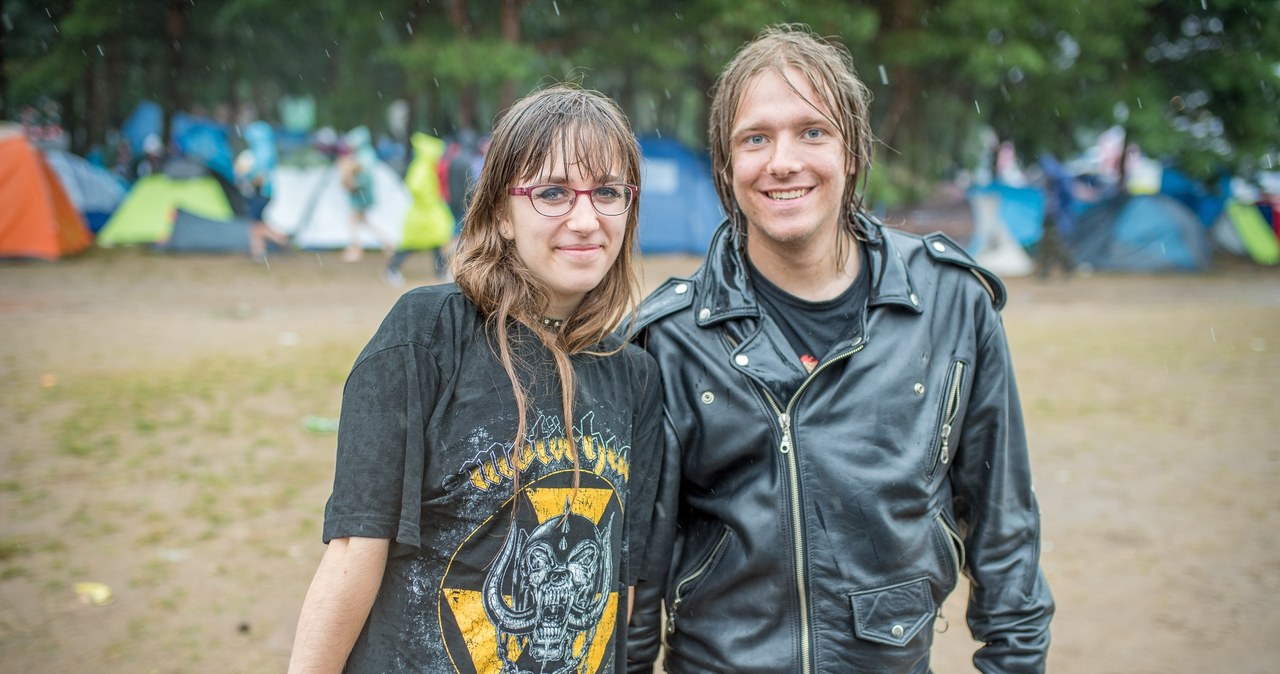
843, 405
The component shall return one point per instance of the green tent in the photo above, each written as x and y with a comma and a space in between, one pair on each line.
1256, 236
146, 214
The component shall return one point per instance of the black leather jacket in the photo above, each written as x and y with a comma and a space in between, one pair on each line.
822, 533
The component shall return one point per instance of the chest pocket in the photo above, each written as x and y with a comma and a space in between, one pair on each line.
950, 416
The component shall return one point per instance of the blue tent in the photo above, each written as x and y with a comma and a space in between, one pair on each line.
1021, 209
93, 190
679, 209
1140, 233
195, 137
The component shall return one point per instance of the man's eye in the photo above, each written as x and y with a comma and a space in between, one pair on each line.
551, 194
814, 134
754, 139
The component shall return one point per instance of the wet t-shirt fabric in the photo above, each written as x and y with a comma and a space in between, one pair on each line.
488, 573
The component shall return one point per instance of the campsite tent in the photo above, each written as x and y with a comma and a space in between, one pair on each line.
1242, 230
37, 219
93, 190
311, 205
1142, 233
146, 214
992, 245
197, 234
679, 209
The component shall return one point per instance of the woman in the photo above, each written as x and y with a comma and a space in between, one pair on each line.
494, 432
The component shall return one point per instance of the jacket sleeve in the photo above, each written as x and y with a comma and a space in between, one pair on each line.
1010, 605
644, 634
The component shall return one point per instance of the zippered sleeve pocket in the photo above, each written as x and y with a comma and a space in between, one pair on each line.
949, 416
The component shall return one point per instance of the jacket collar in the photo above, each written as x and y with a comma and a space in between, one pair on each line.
728, 293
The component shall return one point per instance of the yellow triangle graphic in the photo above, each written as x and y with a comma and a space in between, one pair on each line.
604, 634
549, 502
478, 633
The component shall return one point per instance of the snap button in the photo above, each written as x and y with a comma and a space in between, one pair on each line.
919, 389
704, 314
741, 359
915, 300
897, 631
708, 397
937, 245
682, 288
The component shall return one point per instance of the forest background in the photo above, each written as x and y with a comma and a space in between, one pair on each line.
1193, 82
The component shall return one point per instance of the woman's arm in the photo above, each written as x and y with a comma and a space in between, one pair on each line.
337, 604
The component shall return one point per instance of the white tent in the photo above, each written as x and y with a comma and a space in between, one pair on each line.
311, 205
992, 245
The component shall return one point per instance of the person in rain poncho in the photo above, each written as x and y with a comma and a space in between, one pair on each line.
253, 168
428, 225
356, 167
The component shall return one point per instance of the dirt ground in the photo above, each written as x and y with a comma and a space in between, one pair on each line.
164, 435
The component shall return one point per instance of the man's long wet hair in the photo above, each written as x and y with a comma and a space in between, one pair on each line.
829, 69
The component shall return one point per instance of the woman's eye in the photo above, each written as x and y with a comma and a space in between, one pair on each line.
551, 194
606, 193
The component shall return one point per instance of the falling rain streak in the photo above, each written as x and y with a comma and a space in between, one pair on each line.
555, 6
977, 107
884, 76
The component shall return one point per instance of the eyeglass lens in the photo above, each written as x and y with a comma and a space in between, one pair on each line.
555, 200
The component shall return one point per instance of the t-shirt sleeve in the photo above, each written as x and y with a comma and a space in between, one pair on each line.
377, 486
646, 465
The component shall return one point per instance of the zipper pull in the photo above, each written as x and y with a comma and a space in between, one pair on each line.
945, 455
784, 420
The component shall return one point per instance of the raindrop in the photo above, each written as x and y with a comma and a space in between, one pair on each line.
668, 93
884, 76
976, 106
380, 16
555, 5
1016, 75
100, 52
1204, 4
1139, 103
408, 28
1213, 336
327, 55
1267, 158
437, 81
678, 17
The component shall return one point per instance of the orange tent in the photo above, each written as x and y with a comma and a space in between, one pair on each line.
36, 217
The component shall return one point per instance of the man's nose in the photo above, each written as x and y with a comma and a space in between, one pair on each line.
784, 158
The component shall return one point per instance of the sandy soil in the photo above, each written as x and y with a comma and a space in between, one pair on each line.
153, 414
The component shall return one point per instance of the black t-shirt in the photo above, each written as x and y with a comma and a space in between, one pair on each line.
481, 578
812, 328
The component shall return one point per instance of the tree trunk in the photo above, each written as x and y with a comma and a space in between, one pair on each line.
5, 111
459, 13
510, 35
174, 32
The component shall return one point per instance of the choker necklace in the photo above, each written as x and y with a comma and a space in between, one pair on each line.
553, 323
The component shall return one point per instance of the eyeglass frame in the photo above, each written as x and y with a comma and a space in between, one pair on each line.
528, 192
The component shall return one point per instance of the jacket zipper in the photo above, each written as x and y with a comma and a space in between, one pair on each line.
785, 447
949, 410
703, 566
955, 544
